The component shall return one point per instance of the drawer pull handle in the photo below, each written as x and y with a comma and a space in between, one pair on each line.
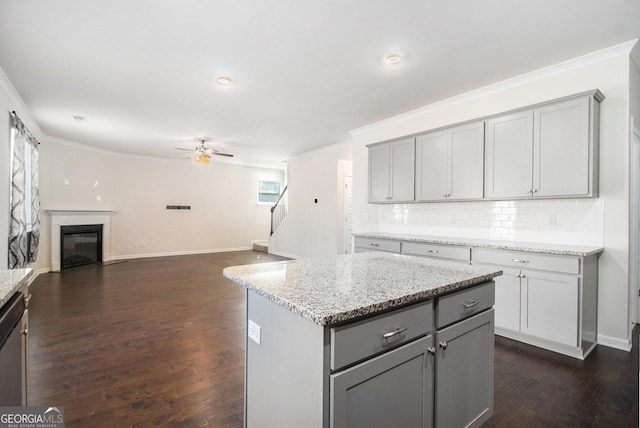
471, 304
519, 261
443, 345
433, 251
394, 332
375, 245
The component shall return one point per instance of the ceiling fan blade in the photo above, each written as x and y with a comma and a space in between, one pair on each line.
222, 154
180, 148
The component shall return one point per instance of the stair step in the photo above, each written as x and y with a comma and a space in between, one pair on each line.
261, 246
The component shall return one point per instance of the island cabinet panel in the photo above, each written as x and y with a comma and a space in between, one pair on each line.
454, 307
286, 367
356, 341
450, 163
464, 372
392, 390
391, 171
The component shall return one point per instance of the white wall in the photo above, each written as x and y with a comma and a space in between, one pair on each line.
224, 212
9, 101
314, 229
602, 221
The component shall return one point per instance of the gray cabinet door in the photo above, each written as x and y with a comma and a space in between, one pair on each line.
379, 173
467, 162
550, 306
509, 155
403, 155
464, 372
561, 154
450, 164
507, 306
391, 171
392, 390
432, 166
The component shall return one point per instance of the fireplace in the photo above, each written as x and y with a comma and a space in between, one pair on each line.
63, 218
80, 245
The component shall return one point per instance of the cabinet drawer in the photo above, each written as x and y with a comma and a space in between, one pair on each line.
524, 260
463, 304
378, 244
435, 250
353, 342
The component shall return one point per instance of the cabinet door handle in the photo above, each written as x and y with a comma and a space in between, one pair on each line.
519, 275
25, 331
519, 261
433, 251
395, 332
443, 345
431, 351
375, 245
471, 304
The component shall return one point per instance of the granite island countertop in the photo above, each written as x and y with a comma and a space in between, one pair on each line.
10, 281
532, 247
342, 288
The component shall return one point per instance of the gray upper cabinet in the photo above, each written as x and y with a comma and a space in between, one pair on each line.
549, 151
391, 171
509, 157
450, 163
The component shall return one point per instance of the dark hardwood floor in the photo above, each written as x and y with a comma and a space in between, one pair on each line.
160, 342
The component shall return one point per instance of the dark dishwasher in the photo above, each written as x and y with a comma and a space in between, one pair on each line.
11, 351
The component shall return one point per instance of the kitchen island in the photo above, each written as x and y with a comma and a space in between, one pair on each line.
368, 339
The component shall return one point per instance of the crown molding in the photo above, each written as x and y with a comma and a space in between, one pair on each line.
523, 79
19, 106
323, 149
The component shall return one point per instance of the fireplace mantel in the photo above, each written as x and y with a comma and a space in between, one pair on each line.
74, 218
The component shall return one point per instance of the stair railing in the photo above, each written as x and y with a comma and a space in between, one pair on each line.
279, 211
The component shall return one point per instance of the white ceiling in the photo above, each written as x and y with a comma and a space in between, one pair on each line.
304, 72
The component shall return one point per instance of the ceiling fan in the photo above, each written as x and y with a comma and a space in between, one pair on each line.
202, 153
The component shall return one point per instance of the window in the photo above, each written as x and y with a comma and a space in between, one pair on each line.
268, 192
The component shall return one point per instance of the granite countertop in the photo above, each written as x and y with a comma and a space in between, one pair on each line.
10, 281
532, 247
336, 289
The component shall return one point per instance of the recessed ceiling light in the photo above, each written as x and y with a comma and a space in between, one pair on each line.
392, 59
223, 81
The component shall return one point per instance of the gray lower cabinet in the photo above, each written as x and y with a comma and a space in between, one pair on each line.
391, 390
423, 365
464, 372
545, 300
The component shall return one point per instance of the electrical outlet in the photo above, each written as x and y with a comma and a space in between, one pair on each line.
253, 331
552, 220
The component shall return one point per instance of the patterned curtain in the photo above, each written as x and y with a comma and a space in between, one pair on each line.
24, 230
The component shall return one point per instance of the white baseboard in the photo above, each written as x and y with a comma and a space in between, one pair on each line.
178, 253
281, 254
614, 342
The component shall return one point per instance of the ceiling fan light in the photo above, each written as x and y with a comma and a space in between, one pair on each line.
201, 158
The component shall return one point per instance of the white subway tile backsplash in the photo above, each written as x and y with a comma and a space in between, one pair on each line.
554, 221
